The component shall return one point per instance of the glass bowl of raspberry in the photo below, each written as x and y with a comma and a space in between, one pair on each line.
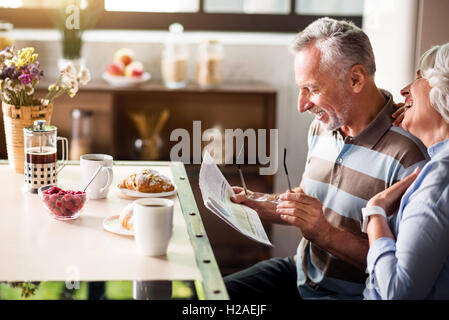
62, 204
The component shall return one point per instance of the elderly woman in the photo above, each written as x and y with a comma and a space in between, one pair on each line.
412, 260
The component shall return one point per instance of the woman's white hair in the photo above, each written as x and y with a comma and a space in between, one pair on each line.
434, 66
342, 44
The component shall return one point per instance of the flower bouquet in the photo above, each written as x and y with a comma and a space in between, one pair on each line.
20, 72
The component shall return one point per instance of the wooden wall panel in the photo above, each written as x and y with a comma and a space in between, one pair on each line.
212, 109
100, 103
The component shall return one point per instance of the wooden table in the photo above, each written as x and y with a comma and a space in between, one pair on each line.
36, 247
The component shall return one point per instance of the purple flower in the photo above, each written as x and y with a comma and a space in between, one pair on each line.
34, 70
26, 78
10, 72
29, 73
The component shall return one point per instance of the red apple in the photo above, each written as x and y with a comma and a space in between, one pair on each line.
124, 55
116, 69
134, 69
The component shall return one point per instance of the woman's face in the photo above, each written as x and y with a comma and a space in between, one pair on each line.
420, 117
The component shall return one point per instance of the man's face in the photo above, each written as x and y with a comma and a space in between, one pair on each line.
321, 92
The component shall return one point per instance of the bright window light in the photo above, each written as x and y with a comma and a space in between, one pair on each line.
330, 7
39, 4
152, 5
248, 6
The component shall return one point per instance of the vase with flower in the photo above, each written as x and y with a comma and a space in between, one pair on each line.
20, 72
83, 15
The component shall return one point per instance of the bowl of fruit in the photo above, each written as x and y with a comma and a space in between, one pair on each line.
125, 71
62, 204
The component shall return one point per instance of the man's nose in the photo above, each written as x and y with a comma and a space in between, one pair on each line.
405, 92
304, 103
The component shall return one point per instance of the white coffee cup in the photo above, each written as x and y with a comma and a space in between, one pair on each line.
99, 187
153, 225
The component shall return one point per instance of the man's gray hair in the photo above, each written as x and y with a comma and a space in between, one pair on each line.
434, 66
342, 44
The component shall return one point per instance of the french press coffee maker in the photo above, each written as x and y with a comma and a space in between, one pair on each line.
41, 167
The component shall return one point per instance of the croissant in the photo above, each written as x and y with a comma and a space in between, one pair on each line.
148, 180
126, 218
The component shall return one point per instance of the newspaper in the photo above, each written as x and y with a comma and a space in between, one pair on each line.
216, 193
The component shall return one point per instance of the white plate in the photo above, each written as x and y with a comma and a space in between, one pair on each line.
112, 224
122, 81
137, 194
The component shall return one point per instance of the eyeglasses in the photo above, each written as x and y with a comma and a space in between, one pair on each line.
264, 197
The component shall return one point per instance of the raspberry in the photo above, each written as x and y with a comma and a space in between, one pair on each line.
53, 190
69, 205
76, 201
56, 211
53, 198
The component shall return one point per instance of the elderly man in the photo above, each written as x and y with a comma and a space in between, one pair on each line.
354, 152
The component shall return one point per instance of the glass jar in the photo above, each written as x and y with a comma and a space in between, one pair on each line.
41, 168
175, 58
209, 63
5, 34
81, 142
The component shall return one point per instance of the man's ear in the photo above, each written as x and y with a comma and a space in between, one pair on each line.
358, 77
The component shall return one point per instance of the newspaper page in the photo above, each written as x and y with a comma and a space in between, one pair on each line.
217, 192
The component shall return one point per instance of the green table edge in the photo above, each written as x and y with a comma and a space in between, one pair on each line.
212, 287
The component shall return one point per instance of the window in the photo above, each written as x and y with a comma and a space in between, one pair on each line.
27, 4
152, 6
36, 4
330, 7
248, 6
210, 15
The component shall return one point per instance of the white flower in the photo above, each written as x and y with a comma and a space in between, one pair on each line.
72, 85
6, 96
9, 63
45, 102
8, 84
18, 87
29, 90
72, 92
70, 82
84, 75
8, 54
5, 55
69, 71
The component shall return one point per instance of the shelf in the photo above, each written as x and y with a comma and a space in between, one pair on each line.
158, 86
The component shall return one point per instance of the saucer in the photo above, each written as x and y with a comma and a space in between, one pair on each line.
137, 194
112, 224
122, 81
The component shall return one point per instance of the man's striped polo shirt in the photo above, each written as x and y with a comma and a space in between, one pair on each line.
344, 173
